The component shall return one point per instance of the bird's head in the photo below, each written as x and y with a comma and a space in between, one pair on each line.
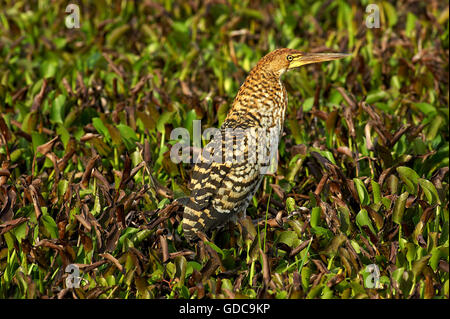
282, 60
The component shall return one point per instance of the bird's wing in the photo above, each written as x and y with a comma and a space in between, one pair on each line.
221, 188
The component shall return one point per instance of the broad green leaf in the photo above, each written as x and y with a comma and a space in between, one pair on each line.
290, 204
433, 129
362, 192
116, 34
290, 238
180, 266
29, 122
129, 136
409, 177
37, 139
429, 191
334, 245
305, 276
411, 252
376, 96
189, 121
328, 155
162, 120
435, 257
418, 265
376, 191
20, 231
49, 68
393, 184
363, 219
49, 224
222, 112
399, 208
391, 13
315, 217
410, 23
425, 108
296, 226
63, 135
100, 127
58, 109
308, 104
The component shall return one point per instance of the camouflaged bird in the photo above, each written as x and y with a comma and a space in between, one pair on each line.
222, 188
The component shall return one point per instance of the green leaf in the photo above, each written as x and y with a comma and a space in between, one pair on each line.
376, 191
411, 252
49, 68
100, 127
63, 134
362, 192
191, 266
336, 242
180, 266
391, 13
409, 177
29, 122
435, 257
433, 129
116, 34
363, 219
216, 248
429, 191
296, 226
126, 234
315, 217
305, 276
410, 23
328, 155
162, 120
290, 204
129, 136
425, 108
49, 224
37, 139
418, 265
189, 121
58, 109
290, 238
399, 208
222, 112
308, 104
376, 96
20, 231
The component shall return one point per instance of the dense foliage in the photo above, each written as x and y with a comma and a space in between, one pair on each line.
86, 177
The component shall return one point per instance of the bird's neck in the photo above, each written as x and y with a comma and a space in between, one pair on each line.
263, 97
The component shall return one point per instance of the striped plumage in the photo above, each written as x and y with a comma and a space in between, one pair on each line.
222, 189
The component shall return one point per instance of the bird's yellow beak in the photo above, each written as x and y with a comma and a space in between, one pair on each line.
308, 58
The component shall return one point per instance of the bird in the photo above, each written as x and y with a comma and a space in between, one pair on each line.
221, 187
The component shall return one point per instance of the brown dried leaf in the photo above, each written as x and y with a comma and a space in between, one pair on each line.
113, 260
88, 171
39, 97
8, 225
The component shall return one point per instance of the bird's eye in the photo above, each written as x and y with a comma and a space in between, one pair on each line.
290, 58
